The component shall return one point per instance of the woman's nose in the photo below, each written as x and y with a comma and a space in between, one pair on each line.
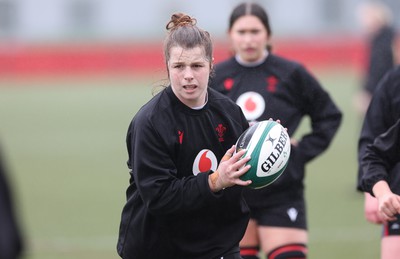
188, 73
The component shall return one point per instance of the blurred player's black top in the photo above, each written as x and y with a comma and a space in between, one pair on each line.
380, 157
170, 210
11, 239
284, 90
381, 57
382, 113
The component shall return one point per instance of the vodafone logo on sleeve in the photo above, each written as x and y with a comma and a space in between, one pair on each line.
252, 104
204, 162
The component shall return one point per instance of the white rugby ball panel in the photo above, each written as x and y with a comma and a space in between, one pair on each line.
268, 145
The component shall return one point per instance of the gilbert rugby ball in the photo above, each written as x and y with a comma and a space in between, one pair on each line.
268, 145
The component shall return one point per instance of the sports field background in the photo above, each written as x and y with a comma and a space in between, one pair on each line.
64, 142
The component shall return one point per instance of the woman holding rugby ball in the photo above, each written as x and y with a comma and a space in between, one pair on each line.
182, 203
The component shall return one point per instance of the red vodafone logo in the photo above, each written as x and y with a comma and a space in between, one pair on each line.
204, 162
252, 104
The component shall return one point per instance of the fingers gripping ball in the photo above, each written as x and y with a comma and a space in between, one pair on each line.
268, 145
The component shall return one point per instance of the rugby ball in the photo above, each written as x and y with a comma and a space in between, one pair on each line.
268, 145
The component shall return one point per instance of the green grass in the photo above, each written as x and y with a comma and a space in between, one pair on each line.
338, 228
64, 141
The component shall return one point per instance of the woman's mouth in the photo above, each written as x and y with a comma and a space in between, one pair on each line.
249, 50
189, 87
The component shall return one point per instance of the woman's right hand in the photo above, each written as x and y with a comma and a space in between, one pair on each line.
228, 173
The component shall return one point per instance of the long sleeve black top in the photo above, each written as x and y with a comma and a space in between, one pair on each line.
380, 158
171, 211
382, 113
284, 90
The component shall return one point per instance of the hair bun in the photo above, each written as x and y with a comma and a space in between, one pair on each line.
180, 19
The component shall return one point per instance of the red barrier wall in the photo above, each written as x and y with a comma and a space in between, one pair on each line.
142, 58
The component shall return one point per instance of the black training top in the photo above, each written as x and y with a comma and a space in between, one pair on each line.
170, 210
380, 157
382, 113
284, 90
381, 57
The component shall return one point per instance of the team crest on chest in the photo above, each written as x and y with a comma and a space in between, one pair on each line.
204, 162
221, 129
271, 81
228, 83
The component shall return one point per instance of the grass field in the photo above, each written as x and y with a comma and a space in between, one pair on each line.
64, 141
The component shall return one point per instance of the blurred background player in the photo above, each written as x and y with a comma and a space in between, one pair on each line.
11, 245
382, 113
268, 86
181, 203
376, 21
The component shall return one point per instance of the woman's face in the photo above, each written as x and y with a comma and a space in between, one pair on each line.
189, 71
249, 38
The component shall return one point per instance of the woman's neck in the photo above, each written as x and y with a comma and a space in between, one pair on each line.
201, 106
252, 63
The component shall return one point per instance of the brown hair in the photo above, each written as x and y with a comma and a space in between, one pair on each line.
183, 32
251, 9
